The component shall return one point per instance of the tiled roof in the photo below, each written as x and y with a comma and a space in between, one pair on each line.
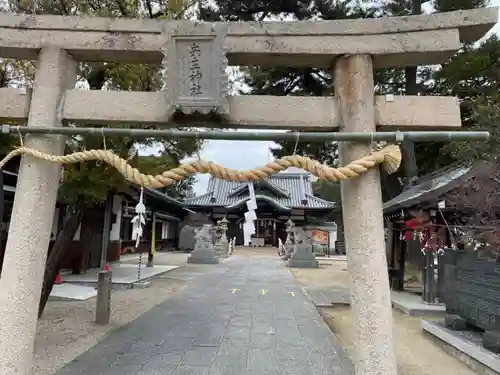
431, 187
286, 190
161, 202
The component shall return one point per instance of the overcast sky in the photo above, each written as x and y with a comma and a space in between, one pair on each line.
244, 154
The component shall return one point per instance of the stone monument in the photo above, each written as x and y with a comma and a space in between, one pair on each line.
203, 252
303, 256
471, 289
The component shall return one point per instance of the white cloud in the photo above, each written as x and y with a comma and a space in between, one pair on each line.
235, 155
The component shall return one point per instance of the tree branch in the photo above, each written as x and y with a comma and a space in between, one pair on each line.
150, 8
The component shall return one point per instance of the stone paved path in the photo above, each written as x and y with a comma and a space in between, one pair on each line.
245, 316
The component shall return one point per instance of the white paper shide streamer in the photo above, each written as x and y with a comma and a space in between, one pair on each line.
139, 220
250, 217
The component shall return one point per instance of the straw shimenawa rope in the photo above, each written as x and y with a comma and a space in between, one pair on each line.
389, 157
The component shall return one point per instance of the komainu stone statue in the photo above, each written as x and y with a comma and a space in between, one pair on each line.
191, 224
204, 252
289, 242
303, 256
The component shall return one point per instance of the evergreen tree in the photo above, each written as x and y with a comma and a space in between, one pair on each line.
286, 80
315, 82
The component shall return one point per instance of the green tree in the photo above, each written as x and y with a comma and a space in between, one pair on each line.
473, 75
314, 82
88, 184
330, 191
286, 80
422, 157
157, 165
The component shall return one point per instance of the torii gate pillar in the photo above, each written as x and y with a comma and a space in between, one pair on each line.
31, 220
363, 224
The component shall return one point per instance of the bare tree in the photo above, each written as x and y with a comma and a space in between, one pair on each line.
476, 207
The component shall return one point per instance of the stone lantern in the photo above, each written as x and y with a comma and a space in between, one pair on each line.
223, 238
222, 244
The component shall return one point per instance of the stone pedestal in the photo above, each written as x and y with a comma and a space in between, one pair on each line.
220, 249
303, 256
318, 250
203, 252
224, 243
205, 255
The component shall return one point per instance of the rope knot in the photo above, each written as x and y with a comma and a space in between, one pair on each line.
392, 158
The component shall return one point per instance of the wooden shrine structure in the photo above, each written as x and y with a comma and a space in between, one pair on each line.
283, 196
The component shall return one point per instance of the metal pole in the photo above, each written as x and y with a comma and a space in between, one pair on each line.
139, 265
152, 249
416, 136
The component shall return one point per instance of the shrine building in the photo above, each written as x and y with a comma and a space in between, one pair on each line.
282, 196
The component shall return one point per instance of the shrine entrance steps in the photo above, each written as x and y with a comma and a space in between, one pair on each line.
244, 316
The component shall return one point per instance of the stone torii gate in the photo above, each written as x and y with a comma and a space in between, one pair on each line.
351, 49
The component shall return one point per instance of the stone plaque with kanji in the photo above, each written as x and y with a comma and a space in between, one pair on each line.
195, 69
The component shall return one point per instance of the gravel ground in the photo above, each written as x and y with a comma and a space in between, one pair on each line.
332, 274
66, 329
416, 353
